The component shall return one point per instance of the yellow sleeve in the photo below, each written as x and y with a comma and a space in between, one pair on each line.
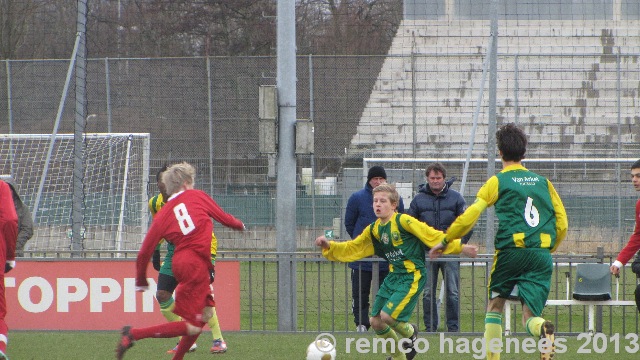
428, 235
214, 246
487, 196
152, 210
155, 204
352, 250
562, 222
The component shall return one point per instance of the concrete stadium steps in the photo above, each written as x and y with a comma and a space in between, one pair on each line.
567, 100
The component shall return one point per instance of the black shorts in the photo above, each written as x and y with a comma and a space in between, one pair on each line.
166, 283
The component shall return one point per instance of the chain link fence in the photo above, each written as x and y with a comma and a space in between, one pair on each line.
574, 95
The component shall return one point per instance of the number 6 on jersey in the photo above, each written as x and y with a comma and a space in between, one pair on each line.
531, 214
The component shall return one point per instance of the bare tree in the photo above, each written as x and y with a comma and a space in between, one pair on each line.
16, 20
154, 28
354, 26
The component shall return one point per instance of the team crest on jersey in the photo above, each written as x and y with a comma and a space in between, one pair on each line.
384, 239
395, 236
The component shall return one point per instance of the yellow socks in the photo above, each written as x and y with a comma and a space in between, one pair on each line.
492, 330
166, 308
404, 329
388, 333
533, 326
214, 325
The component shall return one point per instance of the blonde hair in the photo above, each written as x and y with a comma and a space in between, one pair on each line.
394, 197
177, 175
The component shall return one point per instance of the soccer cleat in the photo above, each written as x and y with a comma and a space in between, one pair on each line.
361, 329
411, 354
175, 349
218, 347
3, 356
547, 332
126, 342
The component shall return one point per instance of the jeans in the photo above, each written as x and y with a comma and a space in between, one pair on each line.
360, 291
451, 273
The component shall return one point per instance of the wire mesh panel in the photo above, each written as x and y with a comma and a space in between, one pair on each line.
600, 206
114, 188
567, 72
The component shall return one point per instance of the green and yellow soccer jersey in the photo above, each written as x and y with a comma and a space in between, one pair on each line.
401, 241
156, 203
529, 210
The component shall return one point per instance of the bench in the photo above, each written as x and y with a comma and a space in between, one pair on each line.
593, 284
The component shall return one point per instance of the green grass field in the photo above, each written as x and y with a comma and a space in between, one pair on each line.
324, 300
323, 303
25, 345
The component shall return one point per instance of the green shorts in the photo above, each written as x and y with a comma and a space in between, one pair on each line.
530, 269
398, 294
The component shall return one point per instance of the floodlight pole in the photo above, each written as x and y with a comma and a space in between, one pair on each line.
286, 166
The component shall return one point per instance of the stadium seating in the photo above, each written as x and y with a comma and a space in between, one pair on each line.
558, 79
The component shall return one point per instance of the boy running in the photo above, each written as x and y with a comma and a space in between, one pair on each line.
401, 240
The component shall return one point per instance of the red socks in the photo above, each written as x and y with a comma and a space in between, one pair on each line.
166, 330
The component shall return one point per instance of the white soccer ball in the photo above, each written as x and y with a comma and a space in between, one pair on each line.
321, 350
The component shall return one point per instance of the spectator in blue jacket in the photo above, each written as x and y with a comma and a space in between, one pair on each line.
358, 215
438, 205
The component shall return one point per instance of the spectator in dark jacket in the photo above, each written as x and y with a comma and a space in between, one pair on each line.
358, 215
438, 205
25, 222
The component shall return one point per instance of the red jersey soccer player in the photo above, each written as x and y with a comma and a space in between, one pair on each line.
184, 221
634, 240
8, 237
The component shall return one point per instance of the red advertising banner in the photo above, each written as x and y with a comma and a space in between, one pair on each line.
100, 295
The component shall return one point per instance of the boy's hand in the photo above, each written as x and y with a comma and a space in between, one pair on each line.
436, 251
322, 242
470, 250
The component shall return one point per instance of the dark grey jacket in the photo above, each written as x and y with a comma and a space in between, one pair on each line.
438, 211
25, 222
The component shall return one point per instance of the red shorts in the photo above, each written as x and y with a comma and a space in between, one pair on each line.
193, 293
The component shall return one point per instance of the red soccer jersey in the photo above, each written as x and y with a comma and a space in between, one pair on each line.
634, 240
9, 223
185, 221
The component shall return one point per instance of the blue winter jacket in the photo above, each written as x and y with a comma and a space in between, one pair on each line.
438, 211
358, 215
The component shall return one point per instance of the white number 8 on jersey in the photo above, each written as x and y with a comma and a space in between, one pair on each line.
184, 220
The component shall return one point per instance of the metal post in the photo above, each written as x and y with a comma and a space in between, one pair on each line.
54, 132
210, 116
619, 149
77, 216
9, 115
516, 89
109, 117
476, 114
598, 308
313, 155
491, 129
286, 166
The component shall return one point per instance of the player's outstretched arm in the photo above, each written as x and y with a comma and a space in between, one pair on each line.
615, 270
321, 241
